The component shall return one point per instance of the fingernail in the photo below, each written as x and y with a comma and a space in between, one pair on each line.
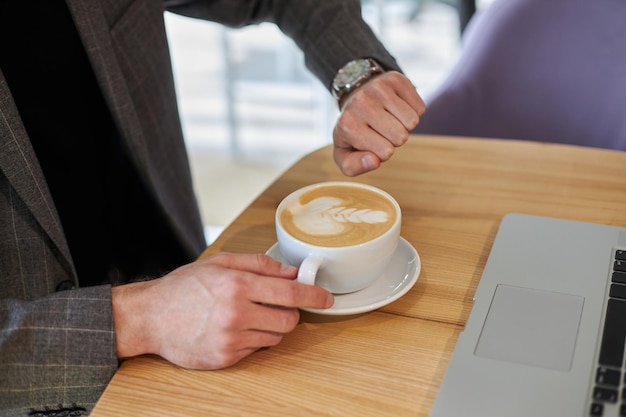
330, 300
368, 162
288, 269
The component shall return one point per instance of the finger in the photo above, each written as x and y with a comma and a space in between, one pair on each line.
402, 118
219, 359
408, 92
284, 293
414, 100
363, 152
259, 339
353, 163
256, 263
399, 98
252, 341
390, 129
375, 119
256, 325
354, 132
273, 319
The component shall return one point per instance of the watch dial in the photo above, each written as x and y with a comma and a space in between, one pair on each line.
352, 71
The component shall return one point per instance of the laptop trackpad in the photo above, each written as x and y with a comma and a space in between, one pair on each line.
531, 327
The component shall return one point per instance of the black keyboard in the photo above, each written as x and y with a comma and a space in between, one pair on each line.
609, 391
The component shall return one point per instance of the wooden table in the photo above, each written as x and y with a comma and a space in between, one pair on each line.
390, 362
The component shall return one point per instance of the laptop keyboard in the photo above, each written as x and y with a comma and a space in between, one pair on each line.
609, 391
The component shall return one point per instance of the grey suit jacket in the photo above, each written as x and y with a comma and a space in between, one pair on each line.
59, 347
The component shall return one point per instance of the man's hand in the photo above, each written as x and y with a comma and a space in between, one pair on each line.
375, 119
213, 312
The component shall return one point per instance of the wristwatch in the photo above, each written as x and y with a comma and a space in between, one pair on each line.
353, 75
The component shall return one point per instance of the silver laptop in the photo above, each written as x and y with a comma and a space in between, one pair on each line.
546, 333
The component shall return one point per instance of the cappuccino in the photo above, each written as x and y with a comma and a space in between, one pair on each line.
338, 215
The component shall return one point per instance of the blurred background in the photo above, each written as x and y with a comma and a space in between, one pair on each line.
250, 108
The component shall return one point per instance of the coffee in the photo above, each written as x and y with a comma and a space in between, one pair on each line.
342, 235
338, 215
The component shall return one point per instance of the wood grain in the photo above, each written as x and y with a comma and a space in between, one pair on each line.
453, 193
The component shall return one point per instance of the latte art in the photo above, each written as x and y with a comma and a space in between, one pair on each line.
327, 216
338, 216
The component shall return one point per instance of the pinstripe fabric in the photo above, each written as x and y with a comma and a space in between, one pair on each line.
59, 347
47, 353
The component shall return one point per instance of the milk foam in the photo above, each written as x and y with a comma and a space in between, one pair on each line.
327, 216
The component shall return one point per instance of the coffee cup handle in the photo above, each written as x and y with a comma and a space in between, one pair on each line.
308, 269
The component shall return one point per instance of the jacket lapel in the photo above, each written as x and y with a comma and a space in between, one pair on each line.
129, 53
94, 31
19, 164
18, 160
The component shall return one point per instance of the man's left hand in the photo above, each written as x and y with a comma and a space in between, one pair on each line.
375, 119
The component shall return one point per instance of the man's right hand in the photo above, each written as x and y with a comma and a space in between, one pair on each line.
213, 312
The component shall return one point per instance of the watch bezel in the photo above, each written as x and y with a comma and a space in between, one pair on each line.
368, 67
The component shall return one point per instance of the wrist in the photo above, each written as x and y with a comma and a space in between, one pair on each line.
352, 76
129, 311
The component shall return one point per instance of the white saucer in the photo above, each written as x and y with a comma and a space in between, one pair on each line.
394, 283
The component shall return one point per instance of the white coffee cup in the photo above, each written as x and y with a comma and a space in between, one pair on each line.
342, 235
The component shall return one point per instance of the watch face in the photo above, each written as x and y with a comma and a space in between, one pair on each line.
352, 71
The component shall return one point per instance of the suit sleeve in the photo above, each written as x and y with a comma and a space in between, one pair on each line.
56, 349
329, 32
